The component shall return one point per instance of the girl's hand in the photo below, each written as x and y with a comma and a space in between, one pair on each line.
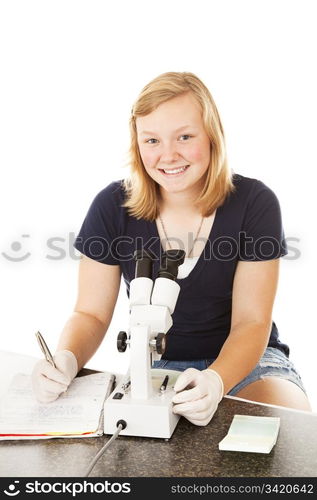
198, 395
49, 382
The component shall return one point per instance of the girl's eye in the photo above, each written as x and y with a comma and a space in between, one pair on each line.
183, 137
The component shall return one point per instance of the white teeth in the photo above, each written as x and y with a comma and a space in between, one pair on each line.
175, 171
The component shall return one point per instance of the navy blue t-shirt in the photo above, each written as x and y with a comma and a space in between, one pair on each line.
247, 226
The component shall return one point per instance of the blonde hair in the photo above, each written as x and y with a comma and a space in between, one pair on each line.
141, 190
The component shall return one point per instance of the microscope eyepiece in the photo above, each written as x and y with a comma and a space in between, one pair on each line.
144, 261
171, 260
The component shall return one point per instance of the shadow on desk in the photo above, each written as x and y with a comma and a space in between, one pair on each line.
191, 452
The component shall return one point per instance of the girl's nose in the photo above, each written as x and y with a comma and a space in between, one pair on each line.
169, 153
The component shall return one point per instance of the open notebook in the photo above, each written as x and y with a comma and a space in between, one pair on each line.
76, 413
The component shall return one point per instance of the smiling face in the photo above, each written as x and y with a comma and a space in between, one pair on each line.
174, 146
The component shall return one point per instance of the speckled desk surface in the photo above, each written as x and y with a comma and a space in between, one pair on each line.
191, 452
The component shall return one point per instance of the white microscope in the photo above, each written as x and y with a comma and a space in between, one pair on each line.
146, 410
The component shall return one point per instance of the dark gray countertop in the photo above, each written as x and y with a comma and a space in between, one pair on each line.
191, 452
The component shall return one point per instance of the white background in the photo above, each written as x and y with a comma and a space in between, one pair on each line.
70, 71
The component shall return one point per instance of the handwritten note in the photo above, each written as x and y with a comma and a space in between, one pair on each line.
75, 412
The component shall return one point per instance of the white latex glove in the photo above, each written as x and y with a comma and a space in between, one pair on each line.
199, 402
49, 382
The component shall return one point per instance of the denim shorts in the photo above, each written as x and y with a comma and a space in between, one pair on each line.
274, 363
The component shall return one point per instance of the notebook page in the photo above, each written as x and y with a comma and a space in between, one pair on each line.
75, 412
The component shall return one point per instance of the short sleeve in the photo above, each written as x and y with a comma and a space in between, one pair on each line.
99, 232
262, 236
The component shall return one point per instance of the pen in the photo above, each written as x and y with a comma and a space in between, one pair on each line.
164, 384
45, 349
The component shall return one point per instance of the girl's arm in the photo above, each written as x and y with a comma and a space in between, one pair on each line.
254, 289
98, 288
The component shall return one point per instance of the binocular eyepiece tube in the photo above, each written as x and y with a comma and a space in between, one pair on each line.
170, 261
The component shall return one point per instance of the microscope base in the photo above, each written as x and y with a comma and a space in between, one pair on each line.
152, 417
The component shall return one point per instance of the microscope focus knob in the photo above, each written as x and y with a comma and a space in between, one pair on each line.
122, 341
160, 343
